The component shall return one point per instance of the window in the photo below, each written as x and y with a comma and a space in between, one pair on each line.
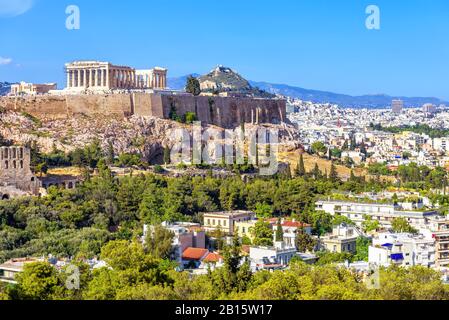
208, 222
224, 223
213, 222
6, 164
21, 164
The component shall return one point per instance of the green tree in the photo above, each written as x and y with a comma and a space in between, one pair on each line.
333, 175
304, 241
263, 210
369, 224
236, 273
316, 173
37, 281
279, 231
151, 208
401, 225
111, 153
190, 117
301, 169
339, 219
262, 233
127, 160
318, 147
362, 248
193, 86
158, 242
167, 158
325, 257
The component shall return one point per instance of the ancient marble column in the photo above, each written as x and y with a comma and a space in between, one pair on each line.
84, 78
99, 77
68, 79
79, 78
91, 78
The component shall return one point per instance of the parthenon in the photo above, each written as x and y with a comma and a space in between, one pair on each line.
96, 75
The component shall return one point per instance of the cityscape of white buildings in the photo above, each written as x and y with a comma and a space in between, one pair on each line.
338, 128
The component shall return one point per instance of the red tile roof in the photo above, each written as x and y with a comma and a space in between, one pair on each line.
294, 224
194, 253
246, 249
213, 257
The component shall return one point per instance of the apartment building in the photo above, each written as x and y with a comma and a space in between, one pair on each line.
403, 249
342, 239
225, 221
384, 213
439, 230
271, 258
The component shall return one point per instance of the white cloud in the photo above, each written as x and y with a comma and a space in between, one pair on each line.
13, 8
5, 61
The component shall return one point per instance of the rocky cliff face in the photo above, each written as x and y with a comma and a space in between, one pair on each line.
145, 135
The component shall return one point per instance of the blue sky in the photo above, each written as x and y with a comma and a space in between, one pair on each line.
316, 44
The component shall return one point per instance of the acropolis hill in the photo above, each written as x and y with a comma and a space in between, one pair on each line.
96, 88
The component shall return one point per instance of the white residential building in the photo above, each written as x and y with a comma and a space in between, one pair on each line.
384, 213
403, 249
271, 258
342, 239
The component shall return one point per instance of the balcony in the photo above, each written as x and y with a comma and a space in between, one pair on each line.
7, 280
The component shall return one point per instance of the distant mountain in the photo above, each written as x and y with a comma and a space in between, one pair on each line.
365, 101
179, 83
5, 88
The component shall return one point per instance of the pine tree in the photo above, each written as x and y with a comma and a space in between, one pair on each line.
111, 154
333, 175
316, 172
193, 86
279, 232
353, 178
353, 143
300, 169
167, 158
363, 149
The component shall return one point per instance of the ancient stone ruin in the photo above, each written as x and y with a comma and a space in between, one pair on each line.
16, 178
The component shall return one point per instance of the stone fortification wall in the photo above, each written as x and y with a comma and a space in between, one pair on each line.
221, 111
